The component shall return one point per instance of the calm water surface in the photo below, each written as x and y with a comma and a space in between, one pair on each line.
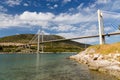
45, 67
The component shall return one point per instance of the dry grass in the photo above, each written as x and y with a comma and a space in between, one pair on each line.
107, 48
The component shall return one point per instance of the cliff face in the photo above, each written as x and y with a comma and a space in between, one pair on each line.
99, 60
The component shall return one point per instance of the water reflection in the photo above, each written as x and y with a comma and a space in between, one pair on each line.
37, 61
57, 67
45, 67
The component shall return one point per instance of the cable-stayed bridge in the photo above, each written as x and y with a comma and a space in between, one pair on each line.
101, 26
82, 37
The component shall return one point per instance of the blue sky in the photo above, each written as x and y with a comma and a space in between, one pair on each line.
68, 18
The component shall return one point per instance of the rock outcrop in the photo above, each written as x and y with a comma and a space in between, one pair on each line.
107, 63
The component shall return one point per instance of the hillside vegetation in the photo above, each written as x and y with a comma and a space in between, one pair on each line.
63, 46
106, 48
25, 38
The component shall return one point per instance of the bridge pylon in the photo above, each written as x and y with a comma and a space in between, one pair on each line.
38, 44
40, 38
101, 28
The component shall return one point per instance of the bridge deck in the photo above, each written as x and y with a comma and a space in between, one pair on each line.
82, 37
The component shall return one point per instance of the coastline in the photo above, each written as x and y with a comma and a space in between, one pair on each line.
107, 63
36, 53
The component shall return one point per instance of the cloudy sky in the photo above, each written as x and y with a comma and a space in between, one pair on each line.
68, 18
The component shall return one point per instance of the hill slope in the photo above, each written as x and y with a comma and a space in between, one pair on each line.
63, 46
25, 38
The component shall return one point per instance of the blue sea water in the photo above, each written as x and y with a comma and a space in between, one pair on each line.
45, 67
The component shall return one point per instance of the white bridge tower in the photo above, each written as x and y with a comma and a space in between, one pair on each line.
40, 34
101, 28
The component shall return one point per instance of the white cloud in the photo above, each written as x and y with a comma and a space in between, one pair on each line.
25, 4
63, 28
55, 6
25, 19
13, 2
48, 4
67, 35
109, 5
80, 6
88, 9
36, 16
116, 5
88, 40
2, 9
110, 15
103, 1
52, 7
73, 18
71, 9
107, 29
7, 21
33, 18
45, 33
66, 1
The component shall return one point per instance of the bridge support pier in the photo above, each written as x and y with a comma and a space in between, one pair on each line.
101, 28
42, 45
38, 44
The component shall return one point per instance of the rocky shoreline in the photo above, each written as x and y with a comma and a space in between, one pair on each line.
106, 63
